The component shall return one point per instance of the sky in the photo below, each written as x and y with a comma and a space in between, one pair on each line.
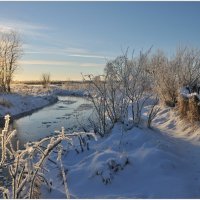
66, 39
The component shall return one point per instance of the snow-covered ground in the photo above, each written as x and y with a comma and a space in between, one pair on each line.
162, 162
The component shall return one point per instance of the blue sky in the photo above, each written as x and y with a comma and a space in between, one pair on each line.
67, 38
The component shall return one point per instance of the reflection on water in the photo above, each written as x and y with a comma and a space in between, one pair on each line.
69, 112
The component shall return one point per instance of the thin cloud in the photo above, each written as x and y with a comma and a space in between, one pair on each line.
63, 53
60, 51
59, 63
23, 27
87, 56
46, 62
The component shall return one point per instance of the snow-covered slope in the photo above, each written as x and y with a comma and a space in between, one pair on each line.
23, 104
162, 162
28, 99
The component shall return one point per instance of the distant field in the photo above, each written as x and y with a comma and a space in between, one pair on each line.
70, 85
56, 82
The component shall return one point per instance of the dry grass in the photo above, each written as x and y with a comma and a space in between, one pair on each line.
75, 86
194, 110
189, 108
183, 106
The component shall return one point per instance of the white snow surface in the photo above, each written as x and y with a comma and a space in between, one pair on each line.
162, 162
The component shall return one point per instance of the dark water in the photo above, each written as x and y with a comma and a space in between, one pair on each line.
69, 112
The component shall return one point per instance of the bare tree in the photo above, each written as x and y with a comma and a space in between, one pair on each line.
46, 79
10, 53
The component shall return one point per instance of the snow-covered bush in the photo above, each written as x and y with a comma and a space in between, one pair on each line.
6, 148
125, 81
164, 78
171, 74
187, 62
110, 168
98, 93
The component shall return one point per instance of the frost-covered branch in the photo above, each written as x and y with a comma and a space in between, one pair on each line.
27, 169
6, 145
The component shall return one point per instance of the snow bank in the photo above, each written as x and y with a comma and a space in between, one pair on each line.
20, 105
27, 99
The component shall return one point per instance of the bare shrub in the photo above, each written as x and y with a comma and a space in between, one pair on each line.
152, 113
46, 79
98, 95
169, 75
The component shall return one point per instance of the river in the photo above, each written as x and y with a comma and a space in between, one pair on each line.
69, 112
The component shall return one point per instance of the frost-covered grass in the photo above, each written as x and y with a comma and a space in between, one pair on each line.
27, 166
